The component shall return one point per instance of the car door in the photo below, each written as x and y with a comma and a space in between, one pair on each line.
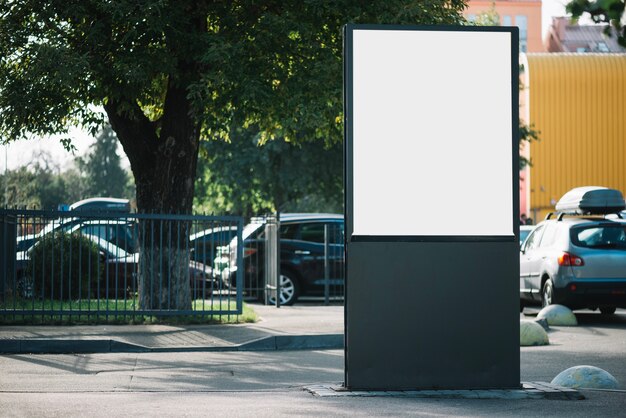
530, 262
309, 250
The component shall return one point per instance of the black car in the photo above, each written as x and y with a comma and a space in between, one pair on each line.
203, 244
311, 257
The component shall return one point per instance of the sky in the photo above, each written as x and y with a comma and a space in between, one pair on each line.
25, 152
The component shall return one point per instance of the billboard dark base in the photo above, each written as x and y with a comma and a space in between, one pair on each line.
432, 315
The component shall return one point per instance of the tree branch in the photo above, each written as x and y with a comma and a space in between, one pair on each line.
135, 132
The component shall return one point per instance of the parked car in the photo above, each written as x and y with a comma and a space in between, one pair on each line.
203, 244
101, 204
94, 204
122, 233
119, 232
119, 276
524, 231
577, 257
121, 270
302, 246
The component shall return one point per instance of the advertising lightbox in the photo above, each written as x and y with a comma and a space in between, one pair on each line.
431, 207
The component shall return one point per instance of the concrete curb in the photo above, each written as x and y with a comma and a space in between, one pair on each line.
295, 342
48, 346
84, 346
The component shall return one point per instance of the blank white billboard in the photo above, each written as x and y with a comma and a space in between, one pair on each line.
432, 134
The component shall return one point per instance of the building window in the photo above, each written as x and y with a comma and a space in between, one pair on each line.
521, 22
506, 20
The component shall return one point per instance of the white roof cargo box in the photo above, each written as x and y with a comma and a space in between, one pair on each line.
591, 200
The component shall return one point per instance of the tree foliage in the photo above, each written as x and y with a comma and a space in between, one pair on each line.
248, 177
41, 184
610, 12
57, 267
527, 134
489, 17
101, 168
156, 63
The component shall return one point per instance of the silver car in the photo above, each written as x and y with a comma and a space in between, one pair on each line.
577, 261
524, 231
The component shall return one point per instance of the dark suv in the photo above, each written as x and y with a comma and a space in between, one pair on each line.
304, 268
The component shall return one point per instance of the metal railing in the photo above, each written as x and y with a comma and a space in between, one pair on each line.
113, 265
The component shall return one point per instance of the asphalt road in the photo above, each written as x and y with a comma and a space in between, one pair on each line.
264, 384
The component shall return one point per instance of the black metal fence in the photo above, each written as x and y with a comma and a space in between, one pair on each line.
93, 265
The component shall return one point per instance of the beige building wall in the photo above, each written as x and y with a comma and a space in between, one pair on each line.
525, 14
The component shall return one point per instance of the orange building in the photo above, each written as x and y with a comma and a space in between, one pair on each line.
525, 14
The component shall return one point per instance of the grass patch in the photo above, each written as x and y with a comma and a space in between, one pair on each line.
121, 312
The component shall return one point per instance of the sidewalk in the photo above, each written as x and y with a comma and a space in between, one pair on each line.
236, 370
304, 326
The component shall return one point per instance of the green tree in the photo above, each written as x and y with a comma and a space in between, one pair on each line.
21, 188
527, 134
610, 12
249, 177
42, 185
490, 17
170, 73
102, 170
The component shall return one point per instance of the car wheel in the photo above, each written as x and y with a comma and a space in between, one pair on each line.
547, 294
521, 305
289, 289
607, 310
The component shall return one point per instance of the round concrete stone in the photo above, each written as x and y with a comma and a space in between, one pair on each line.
531, 333
558, 315
589, 377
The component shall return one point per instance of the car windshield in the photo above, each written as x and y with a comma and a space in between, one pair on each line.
249, 230
600, 236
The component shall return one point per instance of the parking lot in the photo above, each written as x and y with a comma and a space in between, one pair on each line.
598, 340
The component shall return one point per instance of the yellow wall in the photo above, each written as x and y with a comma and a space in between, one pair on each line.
578, 102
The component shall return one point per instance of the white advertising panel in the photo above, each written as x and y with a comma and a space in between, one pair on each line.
432, 133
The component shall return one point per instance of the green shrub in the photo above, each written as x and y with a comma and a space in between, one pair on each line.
64, 266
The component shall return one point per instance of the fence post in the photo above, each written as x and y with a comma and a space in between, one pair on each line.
8, 238
277, 239
326, 266
272, 273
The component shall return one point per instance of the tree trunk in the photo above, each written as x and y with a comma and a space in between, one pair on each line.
164, 167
